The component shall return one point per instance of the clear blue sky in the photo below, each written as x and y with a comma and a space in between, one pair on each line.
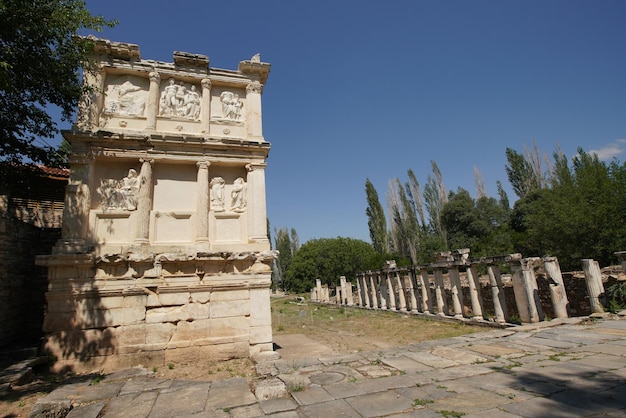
368, 89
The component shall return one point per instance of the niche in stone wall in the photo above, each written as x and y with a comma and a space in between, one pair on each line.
115, 187
229, 204
174, 203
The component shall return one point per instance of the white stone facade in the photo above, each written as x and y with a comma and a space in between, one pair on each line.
164, 254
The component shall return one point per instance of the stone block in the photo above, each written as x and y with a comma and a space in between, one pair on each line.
259, 335
200, 297
260, 310
185, 332
174, 299
230, 295
199, 311
229, 308
167, 314
226, 327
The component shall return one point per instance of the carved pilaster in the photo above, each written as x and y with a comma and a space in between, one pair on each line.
144, 203
202, 202
153, 100
257, 223
254, 122
205, 115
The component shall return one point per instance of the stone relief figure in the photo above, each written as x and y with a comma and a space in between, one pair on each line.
231, 105
217, 194
126, 99
120, 194
178, 100
238, 196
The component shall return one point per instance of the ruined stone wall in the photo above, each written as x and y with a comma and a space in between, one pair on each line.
22, 284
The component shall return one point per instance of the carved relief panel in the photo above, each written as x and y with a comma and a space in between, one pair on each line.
126, 96
181, 100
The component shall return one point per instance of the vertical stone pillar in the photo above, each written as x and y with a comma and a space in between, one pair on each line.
257, 218
595, 287
253, 110
497, 290
202, 203
440, 293
344, 294
205, 109
153, 100
525, 288
75, 227
457, 291
359, 288
474, 291
424, 284
373, 292
391, 291
318, 286
144, 203
349, 298
338, 296
400, 284
90, 103
384, 291
412, 289
558, 294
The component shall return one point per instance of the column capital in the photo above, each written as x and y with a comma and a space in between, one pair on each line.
147, 160
154, 76
255, 166
254, 87
203, 164
206, 83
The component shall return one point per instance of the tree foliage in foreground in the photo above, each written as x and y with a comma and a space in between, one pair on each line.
40, 63
327, 259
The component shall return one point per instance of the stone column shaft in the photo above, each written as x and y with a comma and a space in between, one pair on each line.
413, 297
373, 292
424, 284
525, 288
344, 293
254, 122
144, 203
595, 287
202, 202
384, 291
557, 287
400, 284
257, 215
457, 291
153, 101
474, 291
440, 293
497, 290
205, 109
391, 292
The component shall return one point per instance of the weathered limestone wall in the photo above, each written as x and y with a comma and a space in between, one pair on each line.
164, 254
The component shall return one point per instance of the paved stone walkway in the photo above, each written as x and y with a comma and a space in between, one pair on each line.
568, 370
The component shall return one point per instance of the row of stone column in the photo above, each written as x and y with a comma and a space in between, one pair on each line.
422, 289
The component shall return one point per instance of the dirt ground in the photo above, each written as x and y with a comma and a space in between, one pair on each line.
299, 330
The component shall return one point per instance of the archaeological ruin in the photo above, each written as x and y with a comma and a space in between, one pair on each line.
164, 254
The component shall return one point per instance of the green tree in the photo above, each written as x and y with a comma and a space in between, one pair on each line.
435, 196
287, 243
327, 259
580, 216
376, 219
40, 62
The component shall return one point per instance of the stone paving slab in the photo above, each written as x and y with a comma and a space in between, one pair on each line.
529, 371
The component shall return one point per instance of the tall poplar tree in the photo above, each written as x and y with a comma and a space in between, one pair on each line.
376, 219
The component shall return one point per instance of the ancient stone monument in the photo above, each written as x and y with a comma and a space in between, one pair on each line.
164, 254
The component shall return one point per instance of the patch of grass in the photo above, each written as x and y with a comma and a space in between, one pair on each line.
170, 366
555, 357
421, 402
453, 414
155, 369
296, 387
